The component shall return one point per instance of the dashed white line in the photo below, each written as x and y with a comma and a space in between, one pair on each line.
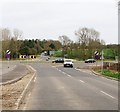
76, 69
82, 81
29, 94
69, 75
35, 79
107, 94
53, 66
59, 70
80, 70
63, 72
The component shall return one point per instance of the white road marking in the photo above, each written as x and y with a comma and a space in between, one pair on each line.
76, 69
69, 75
81, 70
24, 108
19, 99
53, 66
107, 94
63, 72
59, 70
29, 94
82, 81
35, 79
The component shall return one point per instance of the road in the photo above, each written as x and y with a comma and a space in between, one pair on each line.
58, 88
11, 71
7, 66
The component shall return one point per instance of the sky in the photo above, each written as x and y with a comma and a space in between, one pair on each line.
49, 19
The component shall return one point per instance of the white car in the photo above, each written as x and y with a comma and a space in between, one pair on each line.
68, 63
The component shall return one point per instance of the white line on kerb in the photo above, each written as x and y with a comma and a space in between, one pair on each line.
82, 81
107, 94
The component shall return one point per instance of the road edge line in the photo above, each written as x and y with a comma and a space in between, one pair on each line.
24, 91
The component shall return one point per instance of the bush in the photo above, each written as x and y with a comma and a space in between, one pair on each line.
58, 54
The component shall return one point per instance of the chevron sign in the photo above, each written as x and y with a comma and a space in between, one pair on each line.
8, 52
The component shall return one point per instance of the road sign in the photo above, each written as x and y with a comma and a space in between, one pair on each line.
8, 52
8, 56
96, 55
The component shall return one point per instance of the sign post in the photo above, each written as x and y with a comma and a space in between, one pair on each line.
102, 57
96, 56
8, 52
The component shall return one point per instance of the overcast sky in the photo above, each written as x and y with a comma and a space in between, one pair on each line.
49, 19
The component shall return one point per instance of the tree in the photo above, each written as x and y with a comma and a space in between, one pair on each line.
88, 41
6, 34
65, 41
17, 34
82, 35
24, 50
37, 46
52, 46
32, 51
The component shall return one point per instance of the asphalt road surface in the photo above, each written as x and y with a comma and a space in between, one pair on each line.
59, 88
11, 70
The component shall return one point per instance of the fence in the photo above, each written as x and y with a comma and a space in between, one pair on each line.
112, 66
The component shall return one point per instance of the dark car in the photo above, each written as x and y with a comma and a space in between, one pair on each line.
59, 60
90, 61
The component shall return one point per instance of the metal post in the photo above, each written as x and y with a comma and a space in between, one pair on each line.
102, 60
8, 62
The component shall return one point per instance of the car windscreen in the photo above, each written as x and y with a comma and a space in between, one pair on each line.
68, 61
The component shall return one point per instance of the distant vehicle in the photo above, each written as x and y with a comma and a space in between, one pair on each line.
47, 59
59, 60
90, 61
68, 63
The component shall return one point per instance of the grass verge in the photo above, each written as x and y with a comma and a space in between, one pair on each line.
109, 73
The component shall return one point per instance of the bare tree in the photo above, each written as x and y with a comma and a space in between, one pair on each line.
86, 36
17, 34
88, 39
6, 34
65, 40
